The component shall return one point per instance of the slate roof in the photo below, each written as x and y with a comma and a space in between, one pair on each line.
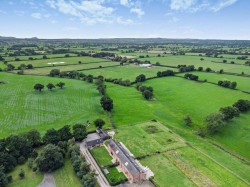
127, 160
93, 143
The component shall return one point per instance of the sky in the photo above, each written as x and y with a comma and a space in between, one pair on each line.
201, 19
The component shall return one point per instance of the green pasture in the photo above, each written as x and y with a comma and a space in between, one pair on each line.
67, 61
46, 70
129, 72
25, 108
243, 83
172, 60
150, 137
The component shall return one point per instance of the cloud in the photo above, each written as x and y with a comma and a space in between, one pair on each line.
223, 4
38, 15
124, 2
198, 5
89, 12
122, 21
138, 11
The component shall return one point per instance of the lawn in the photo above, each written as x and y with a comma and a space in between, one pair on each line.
172, 60
147, 138
46, 70
67, 61
31, 178
114, 176
66, 176
243, 83
25, 109
101, 155
129, 72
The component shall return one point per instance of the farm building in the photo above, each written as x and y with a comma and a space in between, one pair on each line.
127, 162
146, 65
96, 139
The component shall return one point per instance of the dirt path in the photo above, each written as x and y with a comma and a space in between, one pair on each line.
48, 181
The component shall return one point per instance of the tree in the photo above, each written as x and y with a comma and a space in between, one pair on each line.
45, 57
29, 66
147, 94
242, 105
51, 137
107, 103
33, 136
215, 122
50, 159
64, 133
187, 120
38, 87
21, 174
224, 61
140, 78
3, 178
54, 72
208, 69
229, 112
221, 71
50, 86
233, 85
102, 89
99, 123
200, 68
10, 67
79, 132
60, 85
22, 67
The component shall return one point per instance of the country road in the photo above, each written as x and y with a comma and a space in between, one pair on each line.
101, 179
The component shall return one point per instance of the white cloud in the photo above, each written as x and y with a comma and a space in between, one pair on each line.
38, 15
122, 21
181, 4
124, 2
138, 11
223, 4
198, 5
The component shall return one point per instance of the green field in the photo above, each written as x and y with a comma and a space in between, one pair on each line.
174, 98
243, 83
114, 175
46, 70
150, 137
25, 108
172, 60
67, 61
129, 72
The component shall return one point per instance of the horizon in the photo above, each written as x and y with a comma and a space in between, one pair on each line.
100, 19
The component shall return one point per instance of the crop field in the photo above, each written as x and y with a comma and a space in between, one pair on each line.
27, 109
172, 60
150, 137
129, 72
46, 70
66, 61
243, 83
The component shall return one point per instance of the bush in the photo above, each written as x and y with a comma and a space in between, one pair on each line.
21, 174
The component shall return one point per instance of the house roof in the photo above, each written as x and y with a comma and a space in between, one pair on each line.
94, 142
127, 160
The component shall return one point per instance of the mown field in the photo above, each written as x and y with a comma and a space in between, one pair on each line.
174, 98
129, 72
46, 70
67, 61
25, 108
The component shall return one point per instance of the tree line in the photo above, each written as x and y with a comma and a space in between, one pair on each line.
39, 87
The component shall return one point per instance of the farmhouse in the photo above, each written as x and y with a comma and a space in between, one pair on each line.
128, 164
96, 139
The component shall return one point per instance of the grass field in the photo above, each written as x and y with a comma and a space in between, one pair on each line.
174, 98
243, 83
195, 60
150, 137
114, 175
46, 70
67, 61
25, 108
129, 72
101, 155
